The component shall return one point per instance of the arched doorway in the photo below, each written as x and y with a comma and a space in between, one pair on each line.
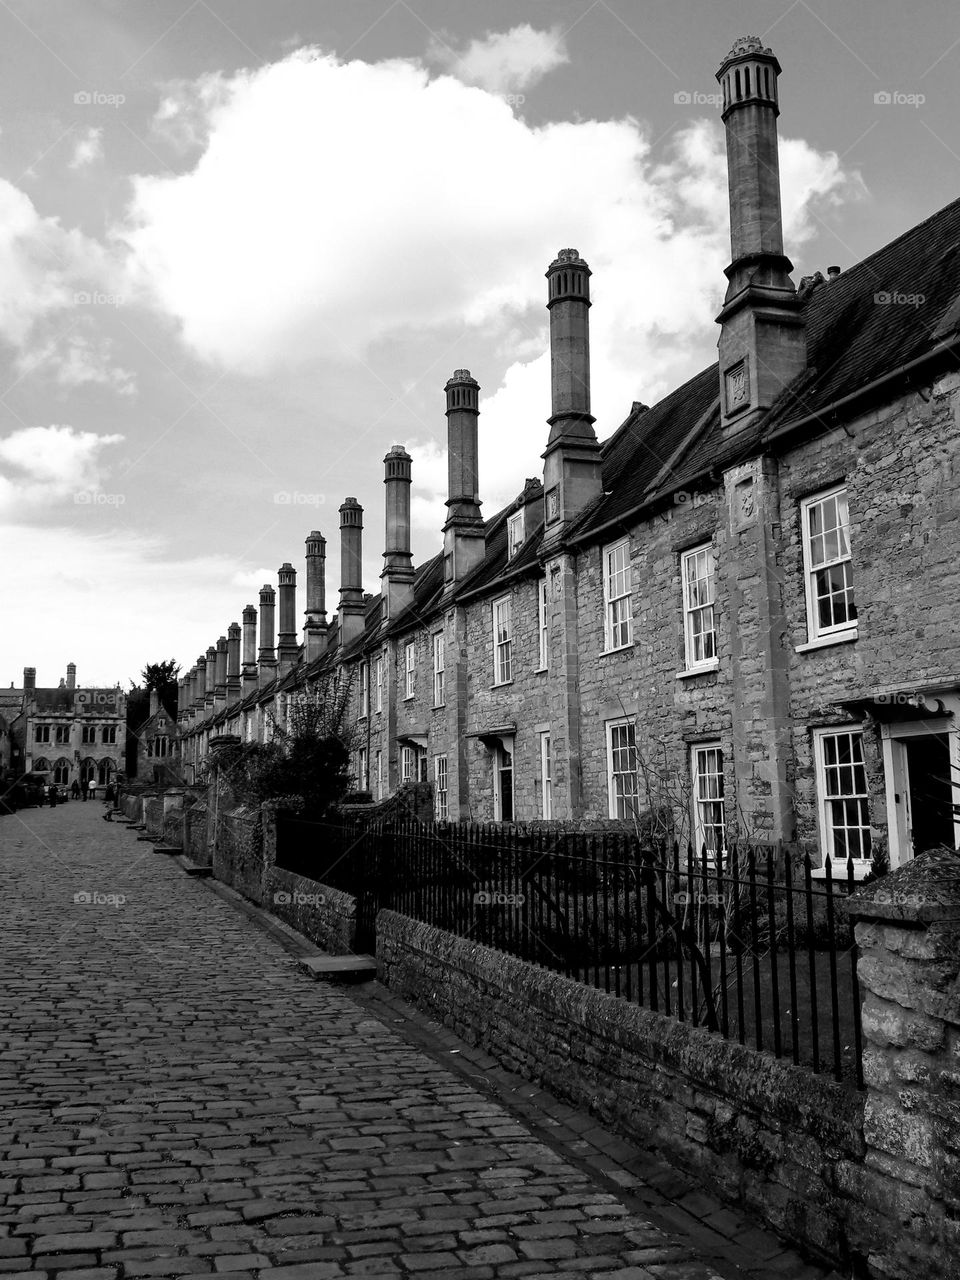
61, 772
88, 771
42, 765
106, 771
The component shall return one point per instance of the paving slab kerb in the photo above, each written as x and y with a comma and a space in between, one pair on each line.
180, 1098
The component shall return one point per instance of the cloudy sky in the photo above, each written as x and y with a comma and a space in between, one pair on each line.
243, 246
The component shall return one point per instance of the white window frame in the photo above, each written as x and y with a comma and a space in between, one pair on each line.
363, 770
439, 651
363, 708
441, 798
546, 775
378, 682
408, 763
707, 777
379, 761
698, 587
542, 627
504, 752
826, 797
835, 631
515, 538
409, 669
617, 596
502, 615
618, 798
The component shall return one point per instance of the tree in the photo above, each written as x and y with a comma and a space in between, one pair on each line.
162, 676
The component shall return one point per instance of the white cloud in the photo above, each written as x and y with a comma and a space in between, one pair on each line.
133, 580
504, 61
430, 206
88, 147
42, 466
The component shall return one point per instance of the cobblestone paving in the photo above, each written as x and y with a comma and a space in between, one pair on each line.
179, 1099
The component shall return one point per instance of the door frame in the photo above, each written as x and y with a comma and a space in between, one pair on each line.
896, 772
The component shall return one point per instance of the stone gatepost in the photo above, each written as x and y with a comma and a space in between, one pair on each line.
908, 1187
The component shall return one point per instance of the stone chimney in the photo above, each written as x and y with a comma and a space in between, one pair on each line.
71, 675
249, 669
315, 626
208, 695
268, 654
220, 687
463, 537
29, 678
154, 702
287, 647
571, 462
397, 576
762, 334
200, 689
233, 663
351, 572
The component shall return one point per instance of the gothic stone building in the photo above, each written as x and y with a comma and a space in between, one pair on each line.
68, 734
736, 610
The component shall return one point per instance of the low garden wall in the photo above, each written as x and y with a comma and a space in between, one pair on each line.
238, 850
326, 916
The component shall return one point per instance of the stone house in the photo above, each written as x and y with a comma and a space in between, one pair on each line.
67, 733
735, 612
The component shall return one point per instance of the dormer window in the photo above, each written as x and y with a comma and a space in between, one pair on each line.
514, 534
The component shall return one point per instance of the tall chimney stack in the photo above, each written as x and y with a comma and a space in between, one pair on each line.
29, 678
351, 572
571, 471
287, 647
249, 669
71, 675
154, 703
315, 626
268, 655
463, 536
210, 692
762, 335
220, 689
200, 689
397, 575
233, 663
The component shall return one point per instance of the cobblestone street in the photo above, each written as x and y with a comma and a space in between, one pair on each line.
180, 1098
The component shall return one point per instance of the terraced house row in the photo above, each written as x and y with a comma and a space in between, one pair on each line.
739, 609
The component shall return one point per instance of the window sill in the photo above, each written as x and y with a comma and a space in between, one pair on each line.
838, 872
540, 671
439, 706
408, 697
825, 642
706, 670
501, 684
605, 653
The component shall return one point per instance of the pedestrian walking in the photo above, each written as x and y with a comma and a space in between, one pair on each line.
84, 787
75, 790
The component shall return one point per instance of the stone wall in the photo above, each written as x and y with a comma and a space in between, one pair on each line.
766, 1135
153, 814
324, 915
909, 1181
238, 851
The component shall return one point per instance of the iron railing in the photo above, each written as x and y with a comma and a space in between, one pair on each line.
754, 945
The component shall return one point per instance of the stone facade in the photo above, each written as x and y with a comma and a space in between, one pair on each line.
743, 596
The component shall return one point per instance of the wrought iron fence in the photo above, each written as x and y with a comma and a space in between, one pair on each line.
754, 946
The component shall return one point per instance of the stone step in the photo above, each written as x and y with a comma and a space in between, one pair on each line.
145, 839
167, 848
339, 968
195, 868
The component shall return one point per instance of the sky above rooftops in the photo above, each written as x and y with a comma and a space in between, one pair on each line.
243, 246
